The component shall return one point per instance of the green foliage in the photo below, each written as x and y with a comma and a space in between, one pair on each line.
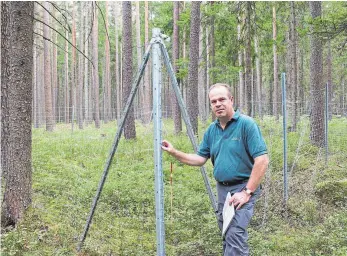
67, 167
332, 192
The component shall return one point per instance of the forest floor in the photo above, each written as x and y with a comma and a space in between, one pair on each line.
68, 165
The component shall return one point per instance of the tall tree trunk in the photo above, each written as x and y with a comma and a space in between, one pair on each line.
248, 60
140, 92
96, 110
129, 128
54, 73
212, 55
87, 84
117, 69
258, 75
107, 78
73, 68
48, 77
316, 82
175, 56
17, 23
329, 80
207, 80
66, 76
79, 99
201, 76
240, 59
147, 105
275, 96
293, 69
192, 97
5, 79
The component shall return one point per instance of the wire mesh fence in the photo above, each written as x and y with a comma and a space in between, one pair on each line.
124, 222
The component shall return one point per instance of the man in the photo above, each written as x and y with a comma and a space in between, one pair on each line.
239, 157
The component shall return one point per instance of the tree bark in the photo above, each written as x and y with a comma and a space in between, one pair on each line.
79, 99
117, 72
129, 128
248, 61
293, 64
240, 59
192, 97
316, 82
147, 105
275, 96
201, 76
175, 56
66, 76
17, 24
47, 76
96, 110
258, 75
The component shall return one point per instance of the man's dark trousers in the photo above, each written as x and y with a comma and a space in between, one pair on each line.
235, 241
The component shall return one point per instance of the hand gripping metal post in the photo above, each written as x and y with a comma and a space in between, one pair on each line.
188, 123
158, 49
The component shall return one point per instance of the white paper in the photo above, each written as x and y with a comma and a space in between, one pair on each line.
228, 214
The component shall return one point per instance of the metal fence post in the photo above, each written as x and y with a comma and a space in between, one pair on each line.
159, 191
284, 113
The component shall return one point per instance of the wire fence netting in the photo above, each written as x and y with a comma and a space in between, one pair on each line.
69, 162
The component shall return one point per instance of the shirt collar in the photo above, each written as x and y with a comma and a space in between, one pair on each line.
235, 117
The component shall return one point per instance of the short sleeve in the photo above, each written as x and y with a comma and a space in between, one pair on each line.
204, 148
255, 141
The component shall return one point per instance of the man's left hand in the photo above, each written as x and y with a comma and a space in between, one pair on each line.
239, 199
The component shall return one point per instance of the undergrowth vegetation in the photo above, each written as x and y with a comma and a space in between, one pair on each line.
67, 167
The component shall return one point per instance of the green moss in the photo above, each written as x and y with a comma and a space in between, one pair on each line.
332, 192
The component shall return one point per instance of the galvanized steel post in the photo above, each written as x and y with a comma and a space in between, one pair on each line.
159, 191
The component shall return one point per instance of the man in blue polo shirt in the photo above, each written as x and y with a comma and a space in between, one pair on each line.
239, 157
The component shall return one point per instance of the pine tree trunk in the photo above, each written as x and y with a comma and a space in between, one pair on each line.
17, 24
192, 94
66, 78
293, 68
117, 68
258, 75
129, 128
248, 62
5, 75
147, 106
80, 81
175, 56
316, 82
95, 75
201, 76
329, 80
107, 78
241, 81
47, 76
275, 96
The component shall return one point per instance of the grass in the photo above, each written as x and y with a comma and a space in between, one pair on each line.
67, 167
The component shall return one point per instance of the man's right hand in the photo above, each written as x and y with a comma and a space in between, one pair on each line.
167, 146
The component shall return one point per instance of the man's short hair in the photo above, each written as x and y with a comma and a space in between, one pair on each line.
226, 86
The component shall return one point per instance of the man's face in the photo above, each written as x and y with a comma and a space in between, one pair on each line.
221, 102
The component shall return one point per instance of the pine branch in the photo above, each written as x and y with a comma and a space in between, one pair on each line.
64, 38
45, 38
104, 24
53, 16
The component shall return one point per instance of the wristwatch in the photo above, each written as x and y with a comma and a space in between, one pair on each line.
248, 191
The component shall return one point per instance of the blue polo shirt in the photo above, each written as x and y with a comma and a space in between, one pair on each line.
232, 150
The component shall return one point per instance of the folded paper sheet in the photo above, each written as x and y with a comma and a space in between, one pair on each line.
228, 214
